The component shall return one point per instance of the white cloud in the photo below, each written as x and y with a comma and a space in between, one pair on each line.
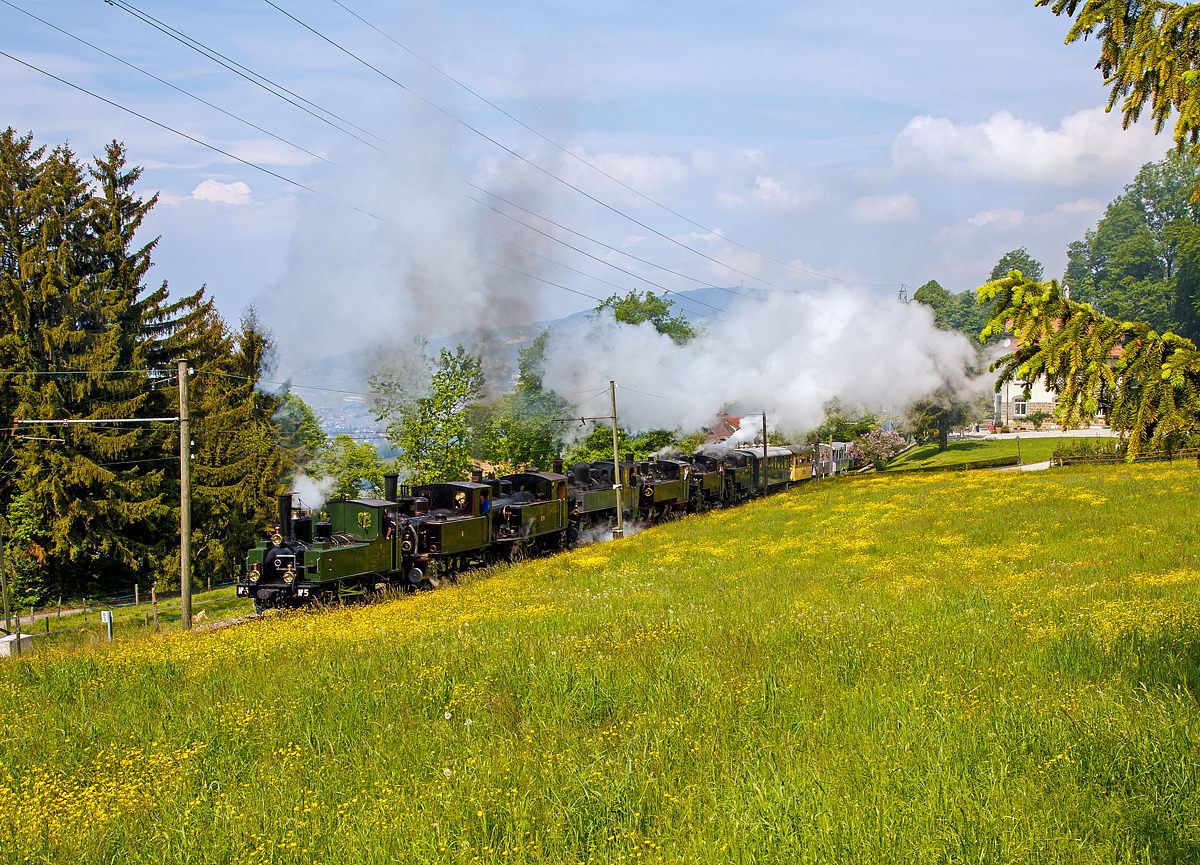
632, 239
886, 209
1002, 216
1080, 206
1086, 145
769, 193
223, 193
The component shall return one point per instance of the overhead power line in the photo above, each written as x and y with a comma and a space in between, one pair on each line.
251, 164
591, 164
163, 81
279, 91
514, 153
191, 138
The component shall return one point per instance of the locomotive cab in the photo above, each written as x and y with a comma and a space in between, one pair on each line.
536, 508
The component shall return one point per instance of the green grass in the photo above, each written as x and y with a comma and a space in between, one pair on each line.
990, 667
1033, 450
77, 630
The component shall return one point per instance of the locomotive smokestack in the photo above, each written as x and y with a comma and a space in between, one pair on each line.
477, 475
389, 486
557, 465
285, 516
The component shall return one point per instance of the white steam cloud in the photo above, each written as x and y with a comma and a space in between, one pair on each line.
789, 355
313, 491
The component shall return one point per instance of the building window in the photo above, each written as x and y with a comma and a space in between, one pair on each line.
1020, 408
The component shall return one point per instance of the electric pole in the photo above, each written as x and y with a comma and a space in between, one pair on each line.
764, 414
185, 503
619, 531
4, 586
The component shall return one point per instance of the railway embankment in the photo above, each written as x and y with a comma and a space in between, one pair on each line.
992, 666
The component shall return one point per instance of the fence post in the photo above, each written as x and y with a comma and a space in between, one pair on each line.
154, 602
47, 623
135, 595
60, 606
85, 611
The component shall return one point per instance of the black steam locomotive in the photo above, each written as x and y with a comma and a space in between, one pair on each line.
418, 535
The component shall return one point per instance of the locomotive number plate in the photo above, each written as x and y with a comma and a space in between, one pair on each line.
364, 520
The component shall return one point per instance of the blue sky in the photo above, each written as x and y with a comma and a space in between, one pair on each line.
876, 143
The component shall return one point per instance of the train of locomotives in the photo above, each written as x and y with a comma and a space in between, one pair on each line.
419, 535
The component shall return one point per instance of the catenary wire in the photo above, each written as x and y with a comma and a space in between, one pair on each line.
251, 164
189, 137
257, 79
252, 77
517, 155
163, 81
592, 165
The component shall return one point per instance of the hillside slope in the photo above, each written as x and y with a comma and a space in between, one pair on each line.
996, 667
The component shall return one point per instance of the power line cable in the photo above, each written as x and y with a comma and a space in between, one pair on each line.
163, 81
246, 162
242, 71
592, 165
514, 153
257, 79
189, 137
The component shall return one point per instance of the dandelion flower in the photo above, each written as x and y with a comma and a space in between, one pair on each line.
468, 722
447, 772
446, 716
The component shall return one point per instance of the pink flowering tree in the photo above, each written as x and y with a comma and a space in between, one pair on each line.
877, 446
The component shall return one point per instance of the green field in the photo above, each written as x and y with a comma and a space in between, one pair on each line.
74, 629
1032, 450
990, 667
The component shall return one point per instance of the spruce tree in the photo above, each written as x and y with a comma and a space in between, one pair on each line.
82, 338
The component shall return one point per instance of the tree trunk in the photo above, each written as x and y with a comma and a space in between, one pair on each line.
943, 430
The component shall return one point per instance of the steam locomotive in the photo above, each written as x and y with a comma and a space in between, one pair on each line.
420, 535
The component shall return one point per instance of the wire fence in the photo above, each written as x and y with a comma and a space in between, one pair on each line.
139, 604
1113, 457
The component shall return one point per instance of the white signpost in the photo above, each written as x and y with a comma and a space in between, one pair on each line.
106, 619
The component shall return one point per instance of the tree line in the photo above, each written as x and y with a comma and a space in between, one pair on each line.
93, 506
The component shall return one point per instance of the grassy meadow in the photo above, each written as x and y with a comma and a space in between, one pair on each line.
1032, 450
986, 667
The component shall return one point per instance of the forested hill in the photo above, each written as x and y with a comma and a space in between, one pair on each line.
93, 506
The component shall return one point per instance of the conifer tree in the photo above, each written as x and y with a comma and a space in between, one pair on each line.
94, 505
1146, 383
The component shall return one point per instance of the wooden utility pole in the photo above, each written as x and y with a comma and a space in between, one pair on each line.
619, 531
185, 503
764, 414
4, 585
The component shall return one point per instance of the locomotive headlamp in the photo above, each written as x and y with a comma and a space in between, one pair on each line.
276, 539
254, 573
406, 546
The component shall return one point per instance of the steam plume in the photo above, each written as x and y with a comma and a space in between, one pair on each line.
788, 356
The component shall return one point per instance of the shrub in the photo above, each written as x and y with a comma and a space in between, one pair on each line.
878, 446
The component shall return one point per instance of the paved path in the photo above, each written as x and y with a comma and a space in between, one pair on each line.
1028, 467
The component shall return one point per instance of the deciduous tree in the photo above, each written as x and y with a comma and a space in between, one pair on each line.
431, 430
635, 308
